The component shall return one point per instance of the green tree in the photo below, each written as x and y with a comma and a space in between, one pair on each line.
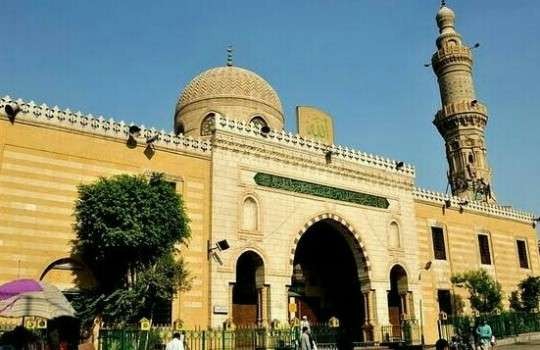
485, 294
527, 297
127, 229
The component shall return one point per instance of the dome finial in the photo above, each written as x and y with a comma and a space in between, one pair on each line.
443, 3
229, 56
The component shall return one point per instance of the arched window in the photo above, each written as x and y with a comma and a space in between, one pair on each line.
250, 215
207, 124
393, 235
258, 121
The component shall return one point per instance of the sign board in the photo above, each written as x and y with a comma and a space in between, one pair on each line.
41, 323
292, 307
30, 323
315, 124
221, 309
144, 324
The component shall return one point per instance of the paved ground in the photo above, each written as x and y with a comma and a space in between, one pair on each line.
532, 345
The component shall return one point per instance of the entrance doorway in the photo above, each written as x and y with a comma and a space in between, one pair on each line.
247, 291
325, 279
398, 295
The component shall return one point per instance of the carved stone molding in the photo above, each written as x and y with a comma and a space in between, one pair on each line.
473, 206
87, 123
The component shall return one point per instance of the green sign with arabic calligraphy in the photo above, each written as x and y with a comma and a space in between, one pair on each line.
339, 194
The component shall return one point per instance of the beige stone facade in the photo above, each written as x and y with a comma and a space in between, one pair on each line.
269, 193
46, 152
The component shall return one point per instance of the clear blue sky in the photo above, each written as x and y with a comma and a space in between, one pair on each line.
361, 60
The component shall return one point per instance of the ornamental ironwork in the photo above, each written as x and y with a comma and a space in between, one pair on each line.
299, 186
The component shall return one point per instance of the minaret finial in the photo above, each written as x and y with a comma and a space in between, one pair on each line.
229, 56
443, 3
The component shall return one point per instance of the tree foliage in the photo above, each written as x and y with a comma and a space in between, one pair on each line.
485, 294
127, 229
527, 297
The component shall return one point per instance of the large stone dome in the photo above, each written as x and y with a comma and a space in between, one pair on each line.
229, 82
233, 92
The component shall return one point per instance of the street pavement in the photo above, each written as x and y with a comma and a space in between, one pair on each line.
532, 345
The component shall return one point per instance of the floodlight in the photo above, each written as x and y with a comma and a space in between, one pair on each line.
12, 109
223, 245
328, 157
134, 130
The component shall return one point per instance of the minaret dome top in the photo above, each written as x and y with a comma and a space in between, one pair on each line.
445, 20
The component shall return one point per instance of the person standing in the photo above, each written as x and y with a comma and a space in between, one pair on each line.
484, 333
177, 342
305, 339
305, 323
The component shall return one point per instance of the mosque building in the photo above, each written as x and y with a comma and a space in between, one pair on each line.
312, 228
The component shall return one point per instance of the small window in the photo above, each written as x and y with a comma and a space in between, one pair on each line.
207, 125
471, 158
258, 122
483, 244
445, 301
439, 249
522, 254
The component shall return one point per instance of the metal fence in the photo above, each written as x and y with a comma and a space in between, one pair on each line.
241, 339
408, 332
248, 338
504, 325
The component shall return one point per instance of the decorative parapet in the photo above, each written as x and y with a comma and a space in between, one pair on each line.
87, 123
481, 207
289, 139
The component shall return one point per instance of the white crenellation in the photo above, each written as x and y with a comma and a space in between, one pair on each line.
475, 206
305, 144
87, 123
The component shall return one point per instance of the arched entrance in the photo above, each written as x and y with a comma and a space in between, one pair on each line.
325, 283
248, 289
398, 299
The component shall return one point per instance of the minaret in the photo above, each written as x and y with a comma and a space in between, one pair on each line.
462, 119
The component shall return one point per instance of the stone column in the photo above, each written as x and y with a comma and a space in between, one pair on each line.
265, 296
404, 304
260, 307
368, 328
231, 302
379, 308
410, 303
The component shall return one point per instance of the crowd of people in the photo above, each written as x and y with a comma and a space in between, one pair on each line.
481, 338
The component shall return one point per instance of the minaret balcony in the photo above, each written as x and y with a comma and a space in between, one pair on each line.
451, 55
461, 107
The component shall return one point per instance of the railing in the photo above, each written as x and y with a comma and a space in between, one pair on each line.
237, 339
240, 338
505, 325
407, 332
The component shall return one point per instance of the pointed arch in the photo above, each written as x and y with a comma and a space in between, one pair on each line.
349, 232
